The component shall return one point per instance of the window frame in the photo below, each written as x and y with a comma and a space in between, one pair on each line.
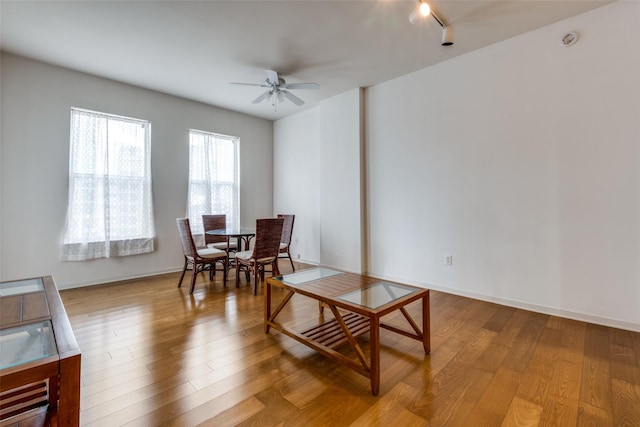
195, 212
101, 189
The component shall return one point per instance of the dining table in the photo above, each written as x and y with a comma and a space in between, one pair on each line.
241, 234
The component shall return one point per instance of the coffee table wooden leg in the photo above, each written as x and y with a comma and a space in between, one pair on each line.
426, 324
270, 313
374, 336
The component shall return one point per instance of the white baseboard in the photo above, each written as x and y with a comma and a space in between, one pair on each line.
604, 321
105, 280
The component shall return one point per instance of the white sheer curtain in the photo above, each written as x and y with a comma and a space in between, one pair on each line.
213, 179
110, 207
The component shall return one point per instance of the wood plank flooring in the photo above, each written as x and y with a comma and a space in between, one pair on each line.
153, 355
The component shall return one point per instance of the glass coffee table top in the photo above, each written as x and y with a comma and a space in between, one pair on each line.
377, 294
309, 275
371, 296
26, 343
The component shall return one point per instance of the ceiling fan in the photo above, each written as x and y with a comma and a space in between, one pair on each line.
278, 89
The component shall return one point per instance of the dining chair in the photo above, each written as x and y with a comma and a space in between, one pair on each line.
217, 222
285, 240
265, 251
199, 260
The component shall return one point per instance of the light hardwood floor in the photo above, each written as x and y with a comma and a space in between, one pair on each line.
154, 355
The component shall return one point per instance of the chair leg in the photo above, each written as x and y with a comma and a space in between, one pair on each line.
225, 263
256, 274
237, 274
184, 270
291, 260
193, 278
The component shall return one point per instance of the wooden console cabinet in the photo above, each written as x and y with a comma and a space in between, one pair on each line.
39, 356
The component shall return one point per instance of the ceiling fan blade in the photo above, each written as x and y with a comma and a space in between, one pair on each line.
248, 84
302, 86
266, 94
291, 97
272, 77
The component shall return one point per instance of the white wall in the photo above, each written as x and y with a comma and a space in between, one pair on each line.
522, 161
35, 103
318, 177
341, 189
296, 180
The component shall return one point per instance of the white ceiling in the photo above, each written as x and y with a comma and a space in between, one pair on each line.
193, 49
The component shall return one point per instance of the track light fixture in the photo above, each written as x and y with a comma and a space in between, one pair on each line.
447, 36
424, 8
422, 11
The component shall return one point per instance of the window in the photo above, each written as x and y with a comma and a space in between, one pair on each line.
213, 178
110, 208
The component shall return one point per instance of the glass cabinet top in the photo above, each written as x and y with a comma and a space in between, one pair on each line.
18, 287
377, 294
26, 343
309, 275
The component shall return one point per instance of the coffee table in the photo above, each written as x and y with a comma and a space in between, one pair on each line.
357, 303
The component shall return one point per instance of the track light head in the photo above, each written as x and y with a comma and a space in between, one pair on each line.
447, 36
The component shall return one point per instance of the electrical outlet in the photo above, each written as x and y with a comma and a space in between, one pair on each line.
298, 256
448, 259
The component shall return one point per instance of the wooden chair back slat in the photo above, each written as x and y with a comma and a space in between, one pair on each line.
287, 228
214, 222
287, 232
186, 238
265, 251
268, 234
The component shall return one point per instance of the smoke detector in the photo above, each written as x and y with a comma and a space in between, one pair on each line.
569, 38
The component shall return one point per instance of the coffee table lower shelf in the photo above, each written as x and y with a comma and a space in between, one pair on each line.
327, 337
331, 335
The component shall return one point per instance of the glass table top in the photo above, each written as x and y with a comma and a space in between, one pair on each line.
377, 294
309, 275
19, 287
26, 343
232, 231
